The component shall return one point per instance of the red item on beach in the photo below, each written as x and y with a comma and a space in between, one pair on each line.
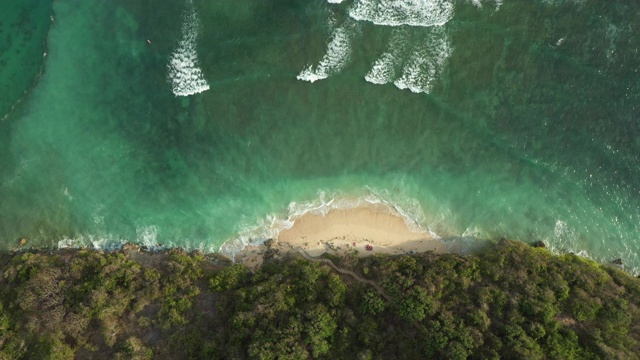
368, 247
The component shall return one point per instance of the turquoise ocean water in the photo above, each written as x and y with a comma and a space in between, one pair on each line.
200, 123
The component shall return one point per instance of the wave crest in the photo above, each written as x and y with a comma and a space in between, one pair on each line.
385, 68
403, 12
337, 55
425, 65
183, 69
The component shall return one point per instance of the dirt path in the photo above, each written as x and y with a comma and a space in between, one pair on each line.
347, 272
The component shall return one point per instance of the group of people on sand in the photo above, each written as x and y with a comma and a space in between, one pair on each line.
367, 247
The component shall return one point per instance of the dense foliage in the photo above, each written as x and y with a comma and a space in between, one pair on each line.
512, 301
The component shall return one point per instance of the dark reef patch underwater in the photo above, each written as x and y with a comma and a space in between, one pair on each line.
194, 123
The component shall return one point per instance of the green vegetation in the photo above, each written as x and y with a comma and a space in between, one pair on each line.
512, 301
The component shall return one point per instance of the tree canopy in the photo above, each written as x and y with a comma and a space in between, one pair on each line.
510, 301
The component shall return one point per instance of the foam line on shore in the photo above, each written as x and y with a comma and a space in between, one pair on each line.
272, 225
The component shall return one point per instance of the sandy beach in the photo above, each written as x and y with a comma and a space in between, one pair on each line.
369, 229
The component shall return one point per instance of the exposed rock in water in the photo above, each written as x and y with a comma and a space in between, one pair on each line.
22, 241
539, 244
130, 248
617, 261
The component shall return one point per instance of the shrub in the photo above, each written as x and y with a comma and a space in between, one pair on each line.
370, 302
228, 278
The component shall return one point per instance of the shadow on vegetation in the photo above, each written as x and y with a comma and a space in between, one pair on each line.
511, 301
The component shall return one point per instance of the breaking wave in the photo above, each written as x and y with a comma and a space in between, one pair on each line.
184, 72
386, 68
419, 21
422, 13
426, 63
416, 70
565, 239
146, 236
337, 56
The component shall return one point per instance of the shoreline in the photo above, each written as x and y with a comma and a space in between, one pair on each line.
253, 256
365, 230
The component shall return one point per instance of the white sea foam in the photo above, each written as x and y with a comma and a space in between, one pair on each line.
384, 69
403, 12
337, 56
479, 3
471, 232
565, 239
146, 236
67, 193
99, 242
422, 67
270, 226
183, 69
418, 69
334, 1
426, 63
472, 240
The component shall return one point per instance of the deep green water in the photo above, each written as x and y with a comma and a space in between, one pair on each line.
518, 120
23, 30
